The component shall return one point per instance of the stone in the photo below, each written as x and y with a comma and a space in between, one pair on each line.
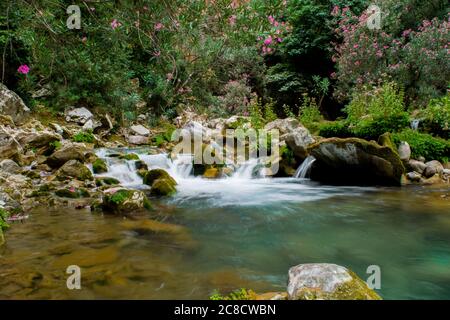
404, 151
433, 180
156, 174
324, 281
106, 181
140, 130
99, 166
129, 156
79, 115
91, 125
195, 130
12, 105
415, 165
9, 147
284, 126
45, 91
125, 201
432, 168
211, 173
71, 151
39, 141
162, 187
355, 161
74, 169
58, 129
9, 166
414, 176
138, 140
73, 193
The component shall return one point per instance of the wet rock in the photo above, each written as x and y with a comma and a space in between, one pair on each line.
163, 187
9, 166
138, 140
129, 156
417, 166
141, 165
432, 168
99, 166
355, 161
73, 193
404, 151
323, 281
79, 115
156, 174
414, 176
211, 173
74, 169
12, 105
39, 141
71, 151
9, 147
125, 201
106, 181
140, 130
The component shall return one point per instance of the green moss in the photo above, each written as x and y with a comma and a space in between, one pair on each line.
155, 174
124, 201
4, 215
239, 294
72, 193
163, 187
130, 156
106, 181
99, 166
386, 140
84, 136
120, 196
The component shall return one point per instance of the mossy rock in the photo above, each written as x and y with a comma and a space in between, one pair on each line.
355, 161
163, 187
125, 201
99, 166
385, 140
324, 281
141, 165
212, 173
129, 156
72, 193
155, 174
106, 181
2, 238
142, 172
74, 169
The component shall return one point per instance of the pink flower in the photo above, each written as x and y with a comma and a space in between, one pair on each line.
232, 20
335, 11
115, 24
72, 189
271, 19
357, 63
23, 69
159, 26
355, 46
169, 76
84, 39
268, 41
279, 39
157, 53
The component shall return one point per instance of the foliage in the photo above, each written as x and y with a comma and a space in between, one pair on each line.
309, 114
3, 217
338, 129
436, 116
239, 294
84, 136
424, 145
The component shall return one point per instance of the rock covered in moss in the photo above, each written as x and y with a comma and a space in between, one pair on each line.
129, 156
73, 193
125, 201
161, 182
74, 169
355, 161
155, 174
106, 181
324, 281
99, 166
211, 173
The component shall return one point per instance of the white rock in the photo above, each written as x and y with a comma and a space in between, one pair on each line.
140, 130
404, 151
138, 140
79, 115
12, 105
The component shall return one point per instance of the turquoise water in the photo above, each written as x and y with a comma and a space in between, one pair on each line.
236, 233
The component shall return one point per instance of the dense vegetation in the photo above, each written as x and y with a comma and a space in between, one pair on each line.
313, 59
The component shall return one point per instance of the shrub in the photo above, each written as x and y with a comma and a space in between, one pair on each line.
424, 145
338, 129
84, 136
371, 129
3, 216
239, 294
436, 117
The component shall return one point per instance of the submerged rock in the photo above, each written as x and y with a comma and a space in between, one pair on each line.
12, 105
74, 169
355, 161
323, 281
125, 201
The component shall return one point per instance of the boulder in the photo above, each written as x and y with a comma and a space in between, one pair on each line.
155, 174
74, 169
414, 176
404, 151
99, 166
138, 140
12, 105
129, 156
296, 136
79, 115
91, 125
9, 147
72, 151
323, 281
9, 166
161, 182
140, 130
417, 166
124, 201
106, 181
196, 130
211, 173
355, 161
432, 168
40, 141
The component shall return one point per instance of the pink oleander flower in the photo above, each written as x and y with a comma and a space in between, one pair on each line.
268, 41
159, 26
271, 19
115, 24
23, 69
279, 40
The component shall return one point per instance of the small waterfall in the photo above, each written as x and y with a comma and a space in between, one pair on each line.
181, 167
122, 170
415, 124
303, 169
248, 169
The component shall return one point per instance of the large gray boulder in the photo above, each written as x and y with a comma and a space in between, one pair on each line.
9, 166
140, 130
432, 168
355, 161
324, 281
12, 105
79, 115
9, 147
74, 169
71, 151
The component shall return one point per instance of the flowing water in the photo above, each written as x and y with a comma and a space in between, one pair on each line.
235, 232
